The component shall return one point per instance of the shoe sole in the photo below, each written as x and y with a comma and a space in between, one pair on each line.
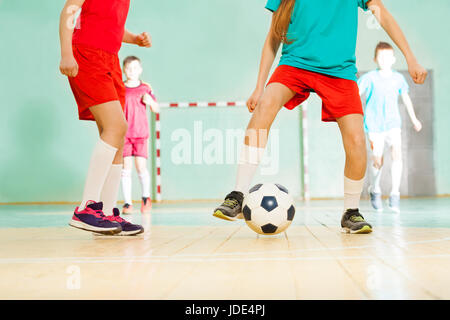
130, 233
121, 234
86, 227
363, 230
219, 214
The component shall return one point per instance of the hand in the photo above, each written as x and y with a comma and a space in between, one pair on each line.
68, 66
254, 99
417, 125
143, 40
417, 72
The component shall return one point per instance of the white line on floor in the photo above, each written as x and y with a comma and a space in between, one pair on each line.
226, 256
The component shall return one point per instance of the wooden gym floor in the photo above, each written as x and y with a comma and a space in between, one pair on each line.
185, 253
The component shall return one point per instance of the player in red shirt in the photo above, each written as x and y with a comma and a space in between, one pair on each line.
89, 57
138, 95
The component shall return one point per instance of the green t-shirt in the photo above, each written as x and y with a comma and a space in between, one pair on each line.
324, 36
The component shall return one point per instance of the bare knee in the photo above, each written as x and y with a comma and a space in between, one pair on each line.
266, 104
264, 114
118, 129
378, 162
140, 169
114, 134
355, 141
127, 163
141, 165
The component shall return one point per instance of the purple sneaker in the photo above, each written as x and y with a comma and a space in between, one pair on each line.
128, 229
93, 219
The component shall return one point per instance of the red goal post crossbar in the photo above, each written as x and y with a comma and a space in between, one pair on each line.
220, 104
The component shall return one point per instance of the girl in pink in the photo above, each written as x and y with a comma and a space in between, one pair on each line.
137, 96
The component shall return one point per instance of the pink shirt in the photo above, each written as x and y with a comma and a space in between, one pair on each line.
135, 111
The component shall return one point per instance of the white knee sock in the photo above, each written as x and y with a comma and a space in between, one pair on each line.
111, 188
352, 193
101, 161
247, 165
376, 178
144, 178
126, 186
396, 173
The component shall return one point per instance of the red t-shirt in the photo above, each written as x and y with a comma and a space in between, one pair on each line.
101, 24
135, 111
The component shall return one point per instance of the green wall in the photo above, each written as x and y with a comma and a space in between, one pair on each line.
203, 50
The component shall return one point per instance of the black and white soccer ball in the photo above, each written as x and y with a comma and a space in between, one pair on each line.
268, 208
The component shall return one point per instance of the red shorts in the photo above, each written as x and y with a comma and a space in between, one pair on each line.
99, 79
135, 147
340, 97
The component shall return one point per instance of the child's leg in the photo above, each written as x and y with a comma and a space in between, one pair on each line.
377, 146
376, 169
112, 125
144, 175
396, 169
111, 187
275, 96
126, 179
352, 131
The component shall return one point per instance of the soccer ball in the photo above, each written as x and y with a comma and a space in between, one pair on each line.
268, 208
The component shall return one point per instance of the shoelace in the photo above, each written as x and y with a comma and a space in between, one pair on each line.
356, 218
96, 213
118, 219
230, 202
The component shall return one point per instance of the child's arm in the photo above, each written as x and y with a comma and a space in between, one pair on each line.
412, 115
387, 21
149, 101
269, 52
363, 84
68, 65
142, 40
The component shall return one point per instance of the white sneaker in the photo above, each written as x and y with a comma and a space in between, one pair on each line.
394, 203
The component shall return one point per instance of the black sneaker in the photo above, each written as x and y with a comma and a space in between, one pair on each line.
93, 219
128, 229
353, 222
231, 208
